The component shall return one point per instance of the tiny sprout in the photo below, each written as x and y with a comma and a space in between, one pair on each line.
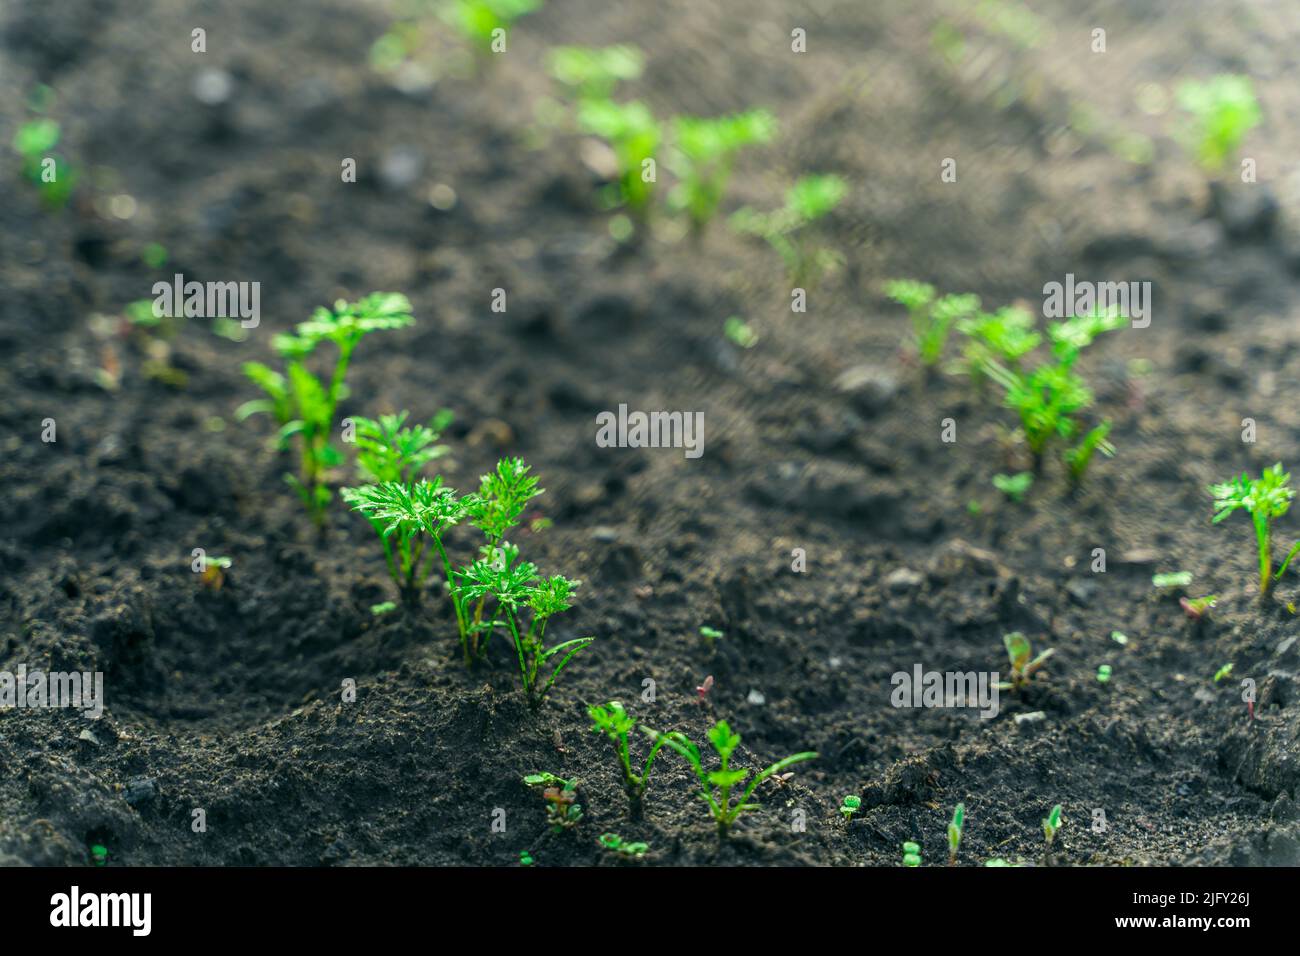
1196, 607
710, 634
1022, 667
616, 844
562, 808
633, 134
213, 573
616, 723
954, 832
1014, 486
851, 805
1264, 499
1103, 673
1172, 579
1119, 637
478, 20
808, 200
932, 317
385, 607
1223, 110
1052, 824
1222, 672
525, 858
99, 854
996, 861
705, 149
911, 854
739, 332
702, 691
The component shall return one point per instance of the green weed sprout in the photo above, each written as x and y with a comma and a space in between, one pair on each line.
34, 142
563, 811
704, 153
305, 405
954, 832
1222, 111
1050, 397
1005, 336
1222, 672
478, 20
593, 73
633, 134
1016, 486
616, 844
852, 804
932, 316
1023, 668
1052, 825
1264, 499
616, 723
911, 854
1103, 674
716, 786
388, 450
785, 229
526, 858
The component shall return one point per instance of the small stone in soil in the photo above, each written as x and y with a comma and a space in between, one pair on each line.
903, 579
756, 698
140, 790
1031, 718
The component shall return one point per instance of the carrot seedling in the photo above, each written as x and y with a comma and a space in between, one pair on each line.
1016, 486
1222, 111
704, 152
785, 229
35, 141
593, 73
911, 854
1103, 674
852, 804
716, 786
563, 811
932, 316
1005, 336
1222, 672
1197, 608
1264, 499
1052, 825
633, 134
616, 723
305, 405
477, 21
616, 844
1019, 653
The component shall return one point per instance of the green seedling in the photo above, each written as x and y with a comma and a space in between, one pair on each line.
739, 332
1222, 672
911, 854
1171, 579
1119, 637
1222, 111
526, 858
389, 451
616, 844
593, 73
633, 135
1005, 336
616, 723
1197, 608
305, 405
563, 811
710, 634
852, 804
1016, 486
1103, 674
785, 229
484, 22
1264, 499
932, 316
214, 571
716, 786
703, 156
99, 854
1052, 824
1023, 668
954, 832
35, 141
1050, 398
385, 607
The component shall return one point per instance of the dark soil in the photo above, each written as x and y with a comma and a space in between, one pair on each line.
229, 700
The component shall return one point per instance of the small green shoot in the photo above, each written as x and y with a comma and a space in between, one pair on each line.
710, 634
305, 405
954, 832
1119, 637
35, 141
526, 858
1005, 336
1016, 486
1022, 667
852, 804
1171, 579
99, 854
786, 229
214, 571
593, 73
1197, 608
1222, 111
384, 607
1264, 499
716, 786
478, 21
932, 316
616, 844
633, 135
616, 723
1052, 824
704, 154
563, 812
1222, 672
911, 854
740, 333
1103, 674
